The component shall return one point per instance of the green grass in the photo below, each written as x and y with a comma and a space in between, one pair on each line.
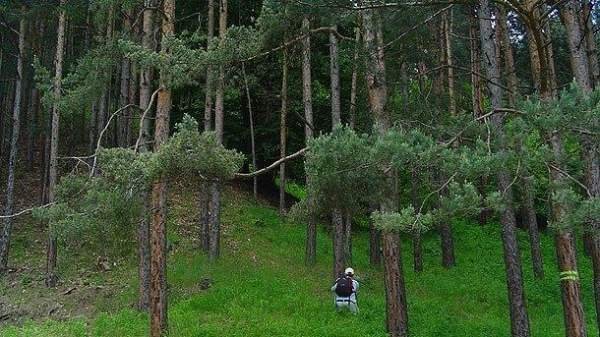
261, 287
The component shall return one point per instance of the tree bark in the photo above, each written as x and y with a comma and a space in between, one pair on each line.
146, 72
396, 307
507, 52
334, 72
592, 181
354, 81
158, 233
145, 84
14, 147
417, 243
512, 260
310, 255
208, 102
590, 41
51, 278
252, 142
339, 263
395, 295
476, 92
215, 198
374, 246
348, 238
532, 227
282, 132
448, 31
576, 42
124, 120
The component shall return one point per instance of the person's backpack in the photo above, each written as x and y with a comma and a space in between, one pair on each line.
344, 287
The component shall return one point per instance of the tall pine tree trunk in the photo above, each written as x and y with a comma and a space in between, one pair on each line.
592, 182
334, 72
512, 260
124, 119
158, 233
282, 131
576, 41
310, 256
354, 81
590, 41
14, 147
532, 227
396, 306
145, 84
448, 31
507, 52
252, 140
51, 255
339, 262
215, 188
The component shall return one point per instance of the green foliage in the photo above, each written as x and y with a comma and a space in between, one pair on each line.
407, 220
191, 154
340, 171
461, 202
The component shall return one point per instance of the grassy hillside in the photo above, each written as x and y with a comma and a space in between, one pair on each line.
261, 288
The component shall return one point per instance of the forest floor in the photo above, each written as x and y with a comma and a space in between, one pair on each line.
260, 286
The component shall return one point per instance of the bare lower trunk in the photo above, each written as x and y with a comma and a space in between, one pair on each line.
449, 61
532, 227
348, 238
592, 181
282, 132
374, 246
143, 236
397, 316
204, 215
339, 262
476, 93
14, 146
448, 259
417, 244
252, 143
311, 227
595, 254
51, 278
146, 73
214, 221
566, 254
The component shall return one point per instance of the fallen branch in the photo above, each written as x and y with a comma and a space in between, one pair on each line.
272, 166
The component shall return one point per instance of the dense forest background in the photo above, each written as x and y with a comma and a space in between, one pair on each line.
366, 123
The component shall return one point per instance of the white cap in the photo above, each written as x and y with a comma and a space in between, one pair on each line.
349, 271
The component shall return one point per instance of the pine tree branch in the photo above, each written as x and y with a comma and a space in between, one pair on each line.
273, 165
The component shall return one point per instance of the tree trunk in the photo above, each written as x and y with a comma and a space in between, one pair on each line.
507, 51
395, 295
448, 18
146, 72
590, 41
310, 255
348, 238
282, 132
252, 143
476, 92
208, 102
208, 109
339, 262
512, 260
396, 313
532, 226
158, 233
14, 146
579, 59
51, 255
374, 246
354, 82
592, 181
334, 71
215, 198
448, 259
417, 243
123, 120
145, 84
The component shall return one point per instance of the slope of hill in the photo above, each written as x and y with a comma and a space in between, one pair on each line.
260, 287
